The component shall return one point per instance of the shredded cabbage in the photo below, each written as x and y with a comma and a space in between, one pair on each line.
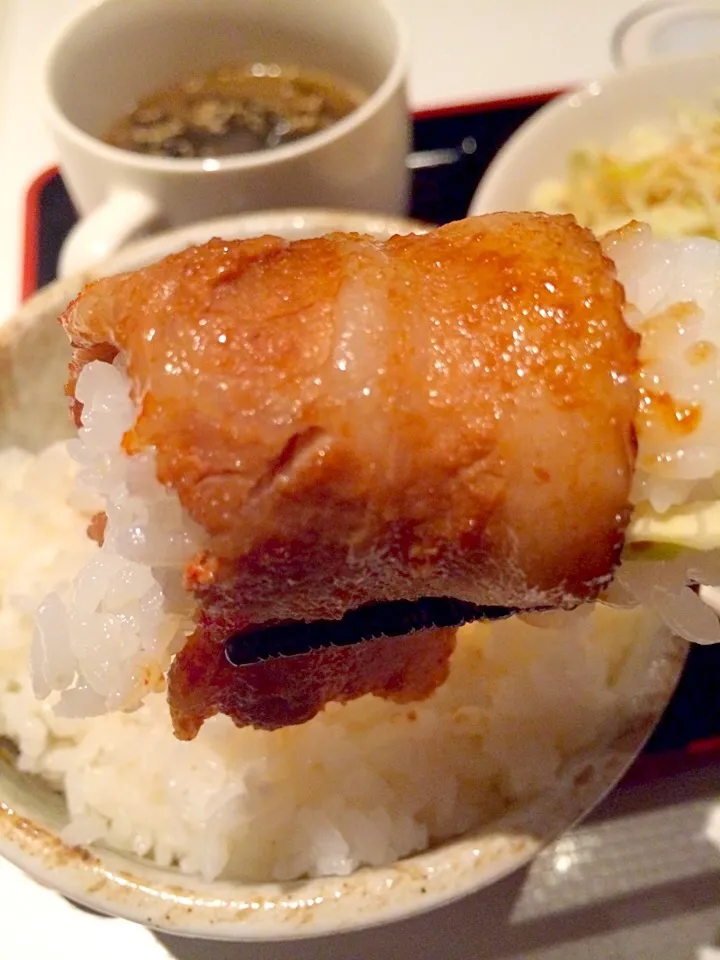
665, 174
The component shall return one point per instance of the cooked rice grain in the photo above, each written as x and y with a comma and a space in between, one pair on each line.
363, 783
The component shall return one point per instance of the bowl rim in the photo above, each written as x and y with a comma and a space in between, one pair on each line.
539, 125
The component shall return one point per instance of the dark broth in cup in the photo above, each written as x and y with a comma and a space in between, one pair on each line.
235, 110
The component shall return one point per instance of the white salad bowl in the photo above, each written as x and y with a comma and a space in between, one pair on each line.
600, 113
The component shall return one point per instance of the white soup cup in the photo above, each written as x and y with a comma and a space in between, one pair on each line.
114, 52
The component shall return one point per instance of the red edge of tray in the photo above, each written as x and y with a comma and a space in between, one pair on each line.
33, 197
654, 766
648, 766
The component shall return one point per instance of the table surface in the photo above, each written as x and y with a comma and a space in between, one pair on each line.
653, 890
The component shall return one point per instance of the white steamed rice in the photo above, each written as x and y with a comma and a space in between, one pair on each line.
359, 784
673, 293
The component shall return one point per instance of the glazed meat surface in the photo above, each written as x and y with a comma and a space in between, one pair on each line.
354, 422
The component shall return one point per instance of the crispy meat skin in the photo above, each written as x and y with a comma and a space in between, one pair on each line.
290, 690
353, 422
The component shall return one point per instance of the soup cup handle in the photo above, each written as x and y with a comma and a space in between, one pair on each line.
123, 216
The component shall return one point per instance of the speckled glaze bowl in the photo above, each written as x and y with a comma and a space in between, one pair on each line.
33, 358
